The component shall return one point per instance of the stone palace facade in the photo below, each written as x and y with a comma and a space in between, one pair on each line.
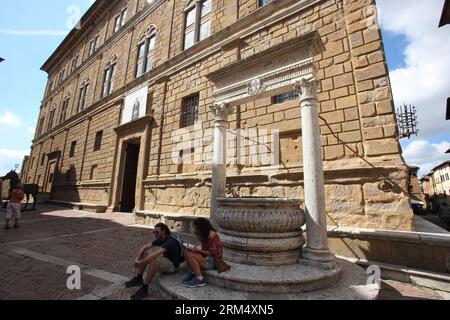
125, 123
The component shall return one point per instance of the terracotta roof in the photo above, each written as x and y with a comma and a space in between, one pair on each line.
441, 165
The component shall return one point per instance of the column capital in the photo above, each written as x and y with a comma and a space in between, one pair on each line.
221, 111
307, 89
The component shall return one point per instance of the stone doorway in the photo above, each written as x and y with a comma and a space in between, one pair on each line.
128, 197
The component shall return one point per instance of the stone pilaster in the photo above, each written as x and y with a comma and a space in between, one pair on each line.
219, 170
316, 252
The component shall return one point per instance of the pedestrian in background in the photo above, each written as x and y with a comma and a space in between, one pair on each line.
14, 207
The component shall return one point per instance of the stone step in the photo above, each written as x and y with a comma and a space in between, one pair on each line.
275, 279
352, 286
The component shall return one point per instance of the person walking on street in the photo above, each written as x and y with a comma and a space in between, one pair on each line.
14, 207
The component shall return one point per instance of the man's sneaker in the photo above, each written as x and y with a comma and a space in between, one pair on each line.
135, 282
189, 277
142, 293
195, 283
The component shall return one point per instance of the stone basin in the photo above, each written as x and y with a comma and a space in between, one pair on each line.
261, 231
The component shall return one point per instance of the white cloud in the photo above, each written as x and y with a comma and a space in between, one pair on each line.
10, 119
426, 155
31, 130
425, 80
8, 158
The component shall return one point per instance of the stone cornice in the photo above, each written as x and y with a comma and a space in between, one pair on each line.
267, 73
86, 22
127, 28
133, 124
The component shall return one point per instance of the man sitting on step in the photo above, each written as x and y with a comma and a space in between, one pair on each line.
163, 255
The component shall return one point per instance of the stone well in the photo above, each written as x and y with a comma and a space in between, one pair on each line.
262, 237
263, 241
261, 231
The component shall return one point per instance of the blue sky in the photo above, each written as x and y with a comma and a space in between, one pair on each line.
29, 34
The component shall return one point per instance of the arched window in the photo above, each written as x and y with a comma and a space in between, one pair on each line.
64, 108
120, 20
108, 76
145, 56
197, 22
84, 90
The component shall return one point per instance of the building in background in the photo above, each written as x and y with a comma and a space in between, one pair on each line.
126, 88
441, 178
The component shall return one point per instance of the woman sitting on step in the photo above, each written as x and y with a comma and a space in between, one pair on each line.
199, 260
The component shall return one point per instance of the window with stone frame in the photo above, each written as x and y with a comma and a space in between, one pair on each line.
263, 3
41, 126
51, 119
189, 115
74, 64
286, 97
98, 141
50, 87
93, 45
120, 20
145, 54
197, 22
108, 79
84, 90
73, 147
64, 108
93, 174
43, 159
61, 76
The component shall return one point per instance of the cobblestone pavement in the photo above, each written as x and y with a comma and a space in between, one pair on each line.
34, 259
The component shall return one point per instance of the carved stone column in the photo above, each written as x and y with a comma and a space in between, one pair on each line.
219, 170
316, 252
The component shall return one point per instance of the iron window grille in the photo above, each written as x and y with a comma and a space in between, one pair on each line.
190, 111
98, 141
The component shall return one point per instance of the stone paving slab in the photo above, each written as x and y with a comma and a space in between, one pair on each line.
23, 278
104, 245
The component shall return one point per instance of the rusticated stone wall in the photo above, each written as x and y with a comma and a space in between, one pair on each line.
366, 176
